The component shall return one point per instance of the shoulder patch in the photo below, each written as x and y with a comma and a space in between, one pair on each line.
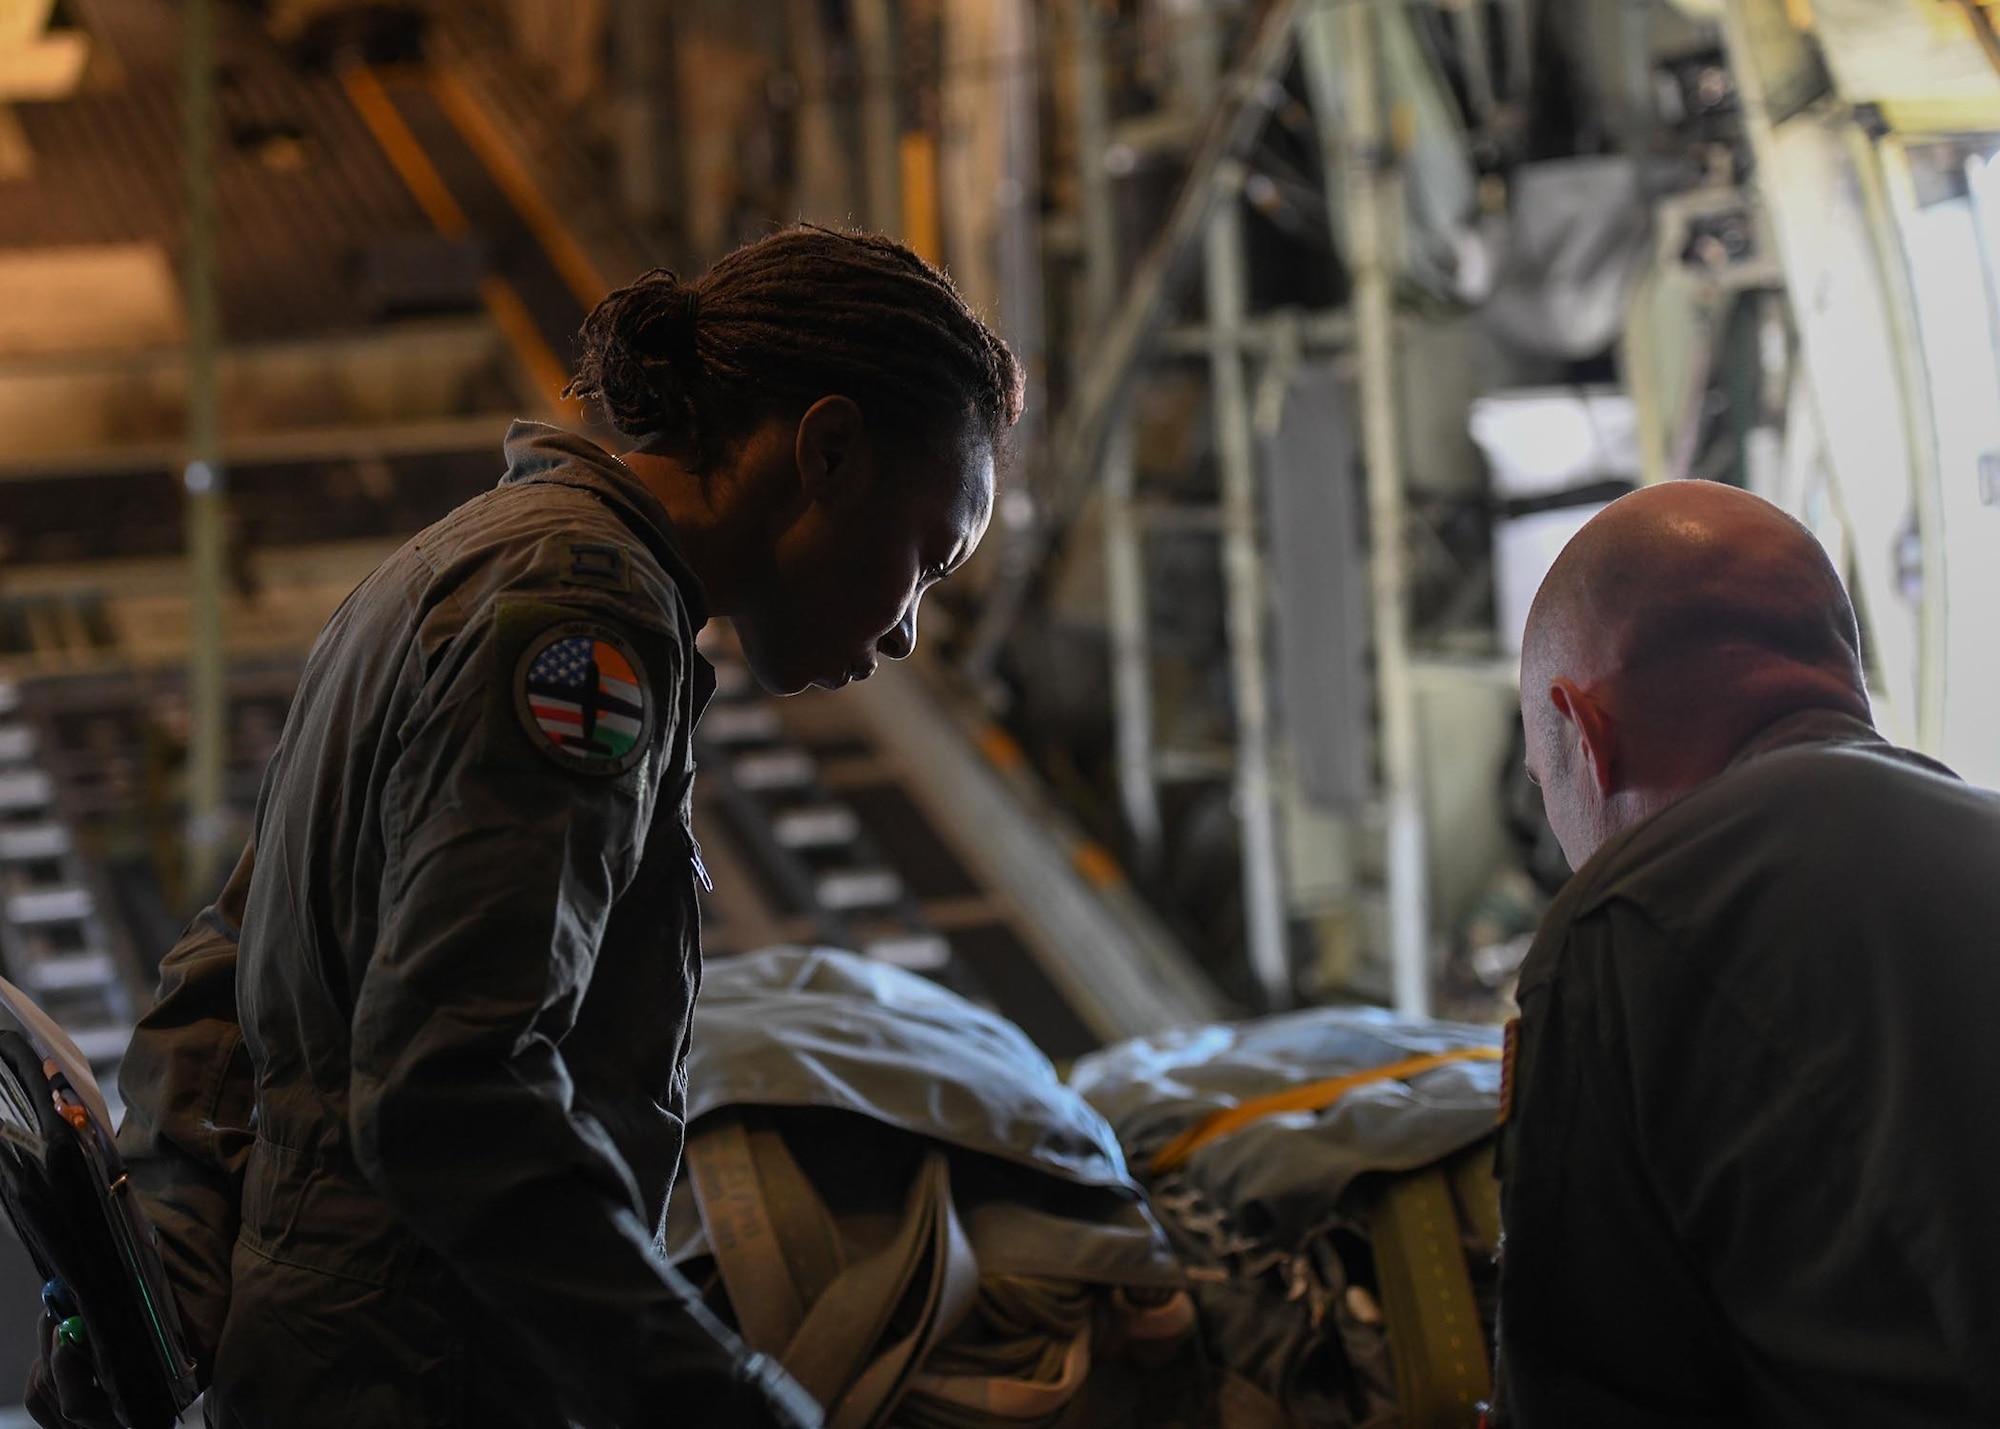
582, 693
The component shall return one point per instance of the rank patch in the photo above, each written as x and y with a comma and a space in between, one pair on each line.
582, 694
596, 563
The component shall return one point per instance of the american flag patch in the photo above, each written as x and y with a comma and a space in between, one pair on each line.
584, 698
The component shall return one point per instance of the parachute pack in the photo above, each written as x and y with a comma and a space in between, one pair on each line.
890, 1190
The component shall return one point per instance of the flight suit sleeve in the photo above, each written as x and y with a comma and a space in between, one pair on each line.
189, 1097
505, 856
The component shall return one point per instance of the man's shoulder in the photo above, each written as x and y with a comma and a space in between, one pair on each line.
1811, 804
1806, 851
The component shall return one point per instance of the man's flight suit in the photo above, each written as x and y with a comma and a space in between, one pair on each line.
1751, 1168
461, 1000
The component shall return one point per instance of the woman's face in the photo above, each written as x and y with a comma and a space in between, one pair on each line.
880, 524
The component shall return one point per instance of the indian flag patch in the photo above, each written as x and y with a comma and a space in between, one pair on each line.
582, 694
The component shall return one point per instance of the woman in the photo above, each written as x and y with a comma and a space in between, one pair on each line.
469, 951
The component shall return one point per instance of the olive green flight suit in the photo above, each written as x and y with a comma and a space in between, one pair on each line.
411, 1101
1751, 1160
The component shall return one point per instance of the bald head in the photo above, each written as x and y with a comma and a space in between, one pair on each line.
1681, 620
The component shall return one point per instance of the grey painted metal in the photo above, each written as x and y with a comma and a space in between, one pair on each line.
204, 484
1131, 651
1121, 971
22, 843
1226, 338
1327, 329
1744, 24
1189, 766
419, 438
775, 769
1319, 566
1018, 236
819, 826
1216, 173
1021, 232
643, 90
559, 157
881, 127
1226, 290
1124, 565
1927, 489
1340, 49
23, 791
1215, 176
824, 186
54, 939
834, 884
107, 163
1468, 23
1179, 516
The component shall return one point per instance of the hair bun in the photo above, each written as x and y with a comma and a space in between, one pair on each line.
780, 323
640, 358
661, 323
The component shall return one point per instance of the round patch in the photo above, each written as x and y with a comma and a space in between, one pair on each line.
582, 694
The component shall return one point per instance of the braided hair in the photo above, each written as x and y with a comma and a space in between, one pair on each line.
690, 368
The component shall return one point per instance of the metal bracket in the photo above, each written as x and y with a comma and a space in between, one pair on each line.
1215, 175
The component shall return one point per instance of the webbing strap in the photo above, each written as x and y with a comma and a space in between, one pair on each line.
1313, 1096
754, 1201
931, 1260
1435, 1339
808, 1236
1239, 1404
1172, 1319
743, 1235
1478, 1193
1004, 1397
831, 1346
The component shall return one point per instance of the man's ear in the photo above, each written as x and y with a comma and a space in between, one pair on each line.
1596, 736
833, 452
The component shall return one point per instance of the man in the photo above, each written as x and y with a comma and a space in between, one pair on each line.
1750, 1163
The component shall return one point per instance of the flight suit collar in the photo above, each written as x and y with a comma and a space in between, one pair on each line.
537, 451
1587, 885
1806, 727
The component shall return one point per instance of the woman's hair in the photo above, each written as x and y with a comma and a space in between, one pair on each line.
806, 313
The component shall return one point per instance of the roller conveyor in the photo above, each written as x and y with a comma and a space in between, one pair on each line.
54, 942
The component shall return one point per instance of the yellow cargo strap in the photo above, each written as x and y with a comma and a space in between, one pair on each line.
1478, 1193
1435, 1338
1313, 1096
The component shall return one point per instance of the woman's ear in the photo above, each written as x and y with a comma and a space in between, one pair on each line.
833, 451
